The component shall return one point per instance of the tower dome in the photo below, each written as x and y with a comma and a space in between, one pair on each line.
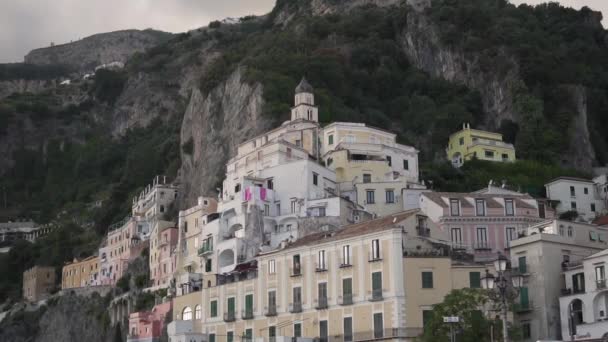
304, 87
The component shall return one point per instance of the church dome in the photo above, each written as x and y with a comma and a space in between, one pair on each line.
304, 87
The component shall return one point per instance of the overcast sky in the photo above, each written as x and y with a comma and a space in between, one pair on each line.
29, 24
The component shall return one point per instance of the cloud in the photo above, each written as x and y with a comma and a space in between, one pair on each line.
30, 24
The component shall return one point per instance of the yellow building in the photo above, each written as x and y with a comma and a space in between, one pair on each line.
38, 282
468, 143
361, 282
80, 273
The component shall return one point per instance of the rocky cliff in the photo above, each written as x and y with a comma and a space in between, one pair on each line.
87, 53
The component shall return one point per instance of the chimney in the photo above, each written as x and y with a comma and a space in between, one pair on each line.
200, 200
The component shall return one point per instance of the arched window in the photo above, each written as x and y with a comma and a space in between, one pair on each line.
187, 314
197, 312
569, 231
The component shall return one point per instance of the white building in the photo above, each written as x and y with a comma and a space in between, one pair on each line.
584, 304
576, 194
540, 253
155, 199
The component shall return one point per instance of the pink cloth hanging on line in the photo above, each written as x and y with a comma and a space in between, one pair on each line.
263, 194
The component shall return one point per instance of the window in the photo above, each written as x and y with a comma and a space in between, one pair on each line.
330, 139
570, 233
461, 141
474, 280
389, 160
505, 156
427, 280
456, 235
378, 325
348, 329
406, 164
377, 284
278, 209
593, 207
526, 330
298, 142
347, 288
521, 264
572, 191
288, 152
272, 267
488, 154
573, 205
321, 212
297, 295
294, 204
272, 299
249, 304
231, 304
237, 188
561, 230
249, 334
213, 308
375, 249
323, 333
297, 330
480, 207
482, 237
454, 207
322, 293
592, 236
600, 274
209, 265
185, 226
346, 255
427, 315
586, 191
266, 210
370, 197
270, 184
509, 208
390, 196
296, 264
367, 178
272, 331
321, 264
187, 314
197, 312
315, 178
230, 336
510, 233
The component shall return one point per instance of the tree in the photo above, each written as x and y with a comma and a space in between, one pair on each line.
467, 304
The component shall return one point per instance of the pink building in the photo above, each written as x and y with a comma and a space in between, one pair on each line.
162, 259
147, 326
483, 223
124, 242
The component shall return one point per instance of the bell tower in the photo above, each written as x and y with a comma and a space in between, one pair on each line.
304, 105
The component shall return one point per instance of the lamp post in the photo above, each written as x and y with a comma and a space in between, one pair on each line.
502, 288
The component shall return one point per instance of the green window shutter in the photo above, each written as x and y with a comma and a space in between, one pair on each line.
475, 280
348, 328
211, 337
272, 331
297, 330
523, 268
213, 308
347, 286
231, 304
427, 315
524, 301
249, 303
230, 336
427, 280
378, 326
377, 281
249, 333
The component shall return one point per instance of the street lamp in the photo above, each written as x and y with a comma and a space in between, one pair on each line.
502, 288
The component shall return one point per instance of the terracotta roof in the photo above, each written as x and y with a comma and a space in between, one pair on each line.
358, 229
601, 221
576, 179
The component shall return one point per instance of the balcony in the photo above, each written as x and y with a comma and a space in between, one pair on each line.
247, 314
295, 307
295, 271
423, 231
346, 263
321, 268
374, 257
229, 316
600, 284
321, 303
375, 295
522, 307
270, 311
482, 246
205, 250
346, 299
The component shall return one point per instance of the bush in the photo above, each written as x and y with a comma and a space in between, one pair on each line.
123, 283
215, 24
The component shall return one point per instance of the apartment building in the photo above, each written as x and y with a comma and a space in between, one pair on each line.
155, 199
80, 273
38, 282
162, 258
584, 303
483, 223
468, 143
147, 326
371, 168
541, 252
348, 284
579, 195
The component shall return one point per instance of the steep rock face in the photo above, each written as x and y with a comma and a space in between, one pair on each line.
98, 49
25, 86
215, 124
580, 153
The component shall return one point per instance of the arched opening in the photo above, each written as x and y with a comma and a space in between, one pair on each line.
197, 312
231, 233
600, 306
575, 314
187, 314
226, 258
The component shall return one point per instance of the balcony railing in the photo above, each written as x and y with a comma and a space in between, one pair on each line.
296, 271
247, 314
375, 295
600, 284
205, 249
423, 231
270, 311
522, 307
346, 299
295, 307
375, 256
229, 316
321, 268
321, 303
482, 245
346, 263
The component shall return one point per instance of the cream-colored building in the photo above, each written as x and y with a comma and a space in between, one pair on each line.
38, 282
359, 282
372, 169
155, 199
81, 273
